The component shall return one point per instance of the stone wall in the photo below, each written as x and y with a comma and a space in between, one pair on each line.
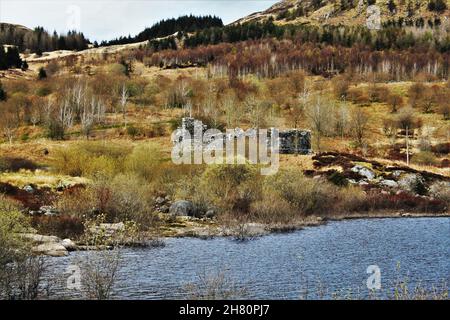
293, 141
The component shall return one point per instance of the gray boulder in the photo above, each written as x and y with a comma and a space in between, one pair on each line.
29, 189
389, 183
408, 181
364, 172
164, 208
52, 249
69, 245
108, 229
37, 238
210, 214
182, 208
48, 211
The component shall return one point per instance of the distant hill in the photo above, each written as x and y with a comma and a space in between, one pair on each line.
352, 12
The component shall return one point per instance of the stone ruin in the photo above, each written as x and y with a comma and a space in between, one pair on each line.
295, 141
291, 141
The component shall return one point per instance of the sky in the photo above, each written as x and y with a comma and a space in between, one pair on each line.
105, 20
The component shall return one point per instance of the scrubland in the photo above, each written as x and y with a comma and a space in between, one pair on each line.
91, 138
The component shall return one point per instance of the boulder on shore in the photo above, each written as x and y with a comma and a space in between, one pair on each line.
182, 208
53, 249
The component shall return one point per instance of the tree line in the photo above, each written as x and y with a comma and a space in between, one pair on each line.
272, 57
10, 58
167, 27
390, 37
39, 40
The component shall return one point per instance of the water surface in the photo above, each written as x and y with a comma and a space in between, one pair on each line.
308, 262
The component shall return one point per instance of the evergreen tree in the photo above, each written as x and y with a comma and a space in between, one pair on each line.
13, 58
42, 73
437, 5
24, 65
3, 63
2, 93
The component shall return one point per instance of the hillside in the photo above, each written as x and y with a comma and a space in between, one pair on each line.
348, 12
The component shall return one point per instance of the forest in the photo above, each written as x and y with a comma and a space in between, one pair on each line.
40, 40
168, 27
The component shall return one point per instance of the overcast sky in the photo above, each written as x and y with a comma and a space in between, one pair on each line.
104, 20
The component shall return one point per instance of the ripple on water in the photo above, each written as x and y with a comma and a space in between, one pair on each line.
281, 266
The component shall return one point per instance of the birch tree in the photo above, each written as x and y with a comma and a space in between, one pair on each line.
123, 104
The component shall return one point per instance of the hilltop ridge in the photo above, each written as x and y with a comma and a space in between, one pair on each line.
349, 12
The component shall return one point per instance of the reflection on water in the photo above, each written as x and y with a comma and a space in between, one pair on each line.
285, 266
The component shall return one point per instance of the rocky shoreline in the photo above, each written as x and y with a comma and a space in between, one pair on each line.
56, 247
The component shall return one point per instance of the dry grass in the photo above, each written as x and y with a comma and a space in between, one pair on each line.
40, 179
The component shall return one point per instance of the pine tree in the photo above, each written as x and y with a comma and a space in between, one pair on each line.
13, 58
3, 63
42, 73
24, 65
2, 93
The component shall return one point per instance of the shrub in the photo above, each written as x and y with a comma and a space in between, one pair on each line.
42, 74
425, 158
117, 69
16, 164
403, 201
272, 209
419, 187
20, 274
232, 187
338, 179
63, 226
340, 87
378, 93
9, 205
130, 201
132, 131
125, 197
43, 91
358, 96
90, 159
77, 202
307, 196
350, 199
144, 161
441, 191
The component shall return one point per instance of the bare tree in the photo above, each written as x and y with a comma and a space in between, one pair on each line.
9, 123
319, 115
231, 110
297, 110
359, 123
255, 111
123, 103
60, 118
99, 273
65, 114
395, 101
77, 96
342, 120
36, 114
